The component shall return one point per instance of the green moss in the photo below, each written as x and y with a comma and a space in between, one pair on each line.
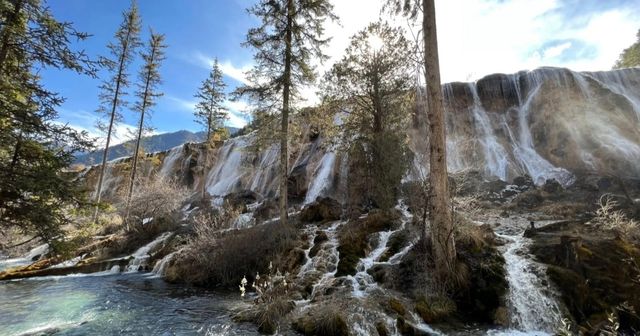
434, 309
381, 328
396, 306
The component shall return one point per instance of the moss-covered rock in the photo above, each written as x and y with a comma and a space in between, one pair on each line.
354, 237
435, 309
597, 275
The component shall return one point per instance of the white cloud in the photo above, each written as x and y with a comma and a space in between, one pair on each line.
555, 51
237, 73
237, 109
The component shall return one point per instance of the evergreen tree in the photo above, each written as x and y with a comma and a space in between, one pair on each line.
290, 35
630, 57
147, 94
440, 216
123, 50
34, 148
209, 110
373, 79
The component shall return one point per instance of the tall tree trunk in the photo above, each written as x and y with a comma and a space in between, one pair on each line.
11, 21
440, 216
114, 106
284, 131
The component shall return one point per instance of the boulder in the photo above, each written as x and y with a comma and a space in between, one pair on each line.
324, 209
241, 199
552, 186
524, 181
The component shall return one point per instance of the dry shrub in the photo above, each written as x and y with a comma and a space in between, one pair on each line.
615, 220
223, 258
156, 199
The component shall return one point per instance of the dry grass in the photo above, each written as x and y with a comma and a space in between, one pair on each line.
608, 218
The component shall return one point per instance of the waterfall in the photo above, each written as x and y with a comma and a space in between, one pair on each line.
522, 143
322, 177
142, 255
495, 156
169, 161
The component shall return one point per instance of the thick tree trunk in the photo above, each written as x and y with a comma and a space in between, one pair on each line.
284, 124
440, 216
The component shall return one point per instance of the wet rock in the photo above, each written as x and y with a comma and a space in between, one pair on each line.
407, 329
298, 183
495, 187
241, 199
596, 274
524, 181
324, 209
552, 186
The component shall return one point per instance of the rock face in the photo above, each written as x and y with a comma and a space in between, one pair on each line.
549, 124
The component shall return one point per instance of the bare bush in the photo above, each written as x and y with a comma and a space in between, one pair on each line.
608, 218
224, 257
155, 200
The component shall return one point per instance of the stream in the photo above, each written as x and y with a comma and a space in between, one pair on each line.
114, 304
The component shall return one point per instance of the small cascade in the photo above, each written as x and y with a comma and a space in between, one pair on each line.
142, 255
311, 232
532, 307
161, 266
325, 263
322, 178
362, 280
37, 252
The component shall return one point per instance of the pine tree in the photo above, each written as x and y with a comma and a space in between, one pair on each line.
630, 57
147, 94
123, 50
373, 79
34, 149
290, 35
210, 111
440, 216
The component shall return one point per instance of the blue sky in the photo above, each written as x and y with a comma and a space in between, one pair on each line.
476, 37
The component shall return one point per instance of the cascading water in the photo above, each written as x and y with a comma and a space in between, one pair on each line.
170, 160
322, 177
362, 280
496, 157
142, 255
532, 306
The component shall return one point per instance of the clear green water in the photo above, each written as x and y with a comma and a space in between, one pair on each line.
120, 304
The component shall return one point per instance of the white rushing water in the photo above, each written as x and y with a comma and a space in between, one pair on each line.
142, 255
495, 156
322, 178
362, 281
532, 305
170, 160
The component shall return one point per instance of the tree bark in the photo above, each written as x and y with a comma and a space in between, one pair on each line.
284, 125
440, 216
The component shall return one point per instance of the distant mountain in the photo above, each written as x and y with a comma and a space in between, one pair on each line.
154, 143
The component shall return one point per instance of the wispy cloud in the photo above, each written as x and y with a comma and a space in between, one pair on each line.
237, 109
237, 73
84, 121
